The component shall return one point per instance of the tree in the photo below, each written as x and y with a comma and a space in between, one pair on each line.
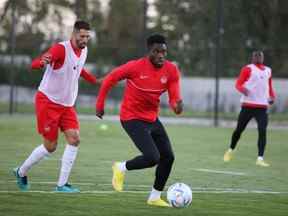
31, 16
120, 38
267, 29
191, 29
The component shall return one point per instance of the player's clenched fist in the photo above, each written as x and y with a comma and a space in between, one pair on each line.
99, 113
46, 58
178, 109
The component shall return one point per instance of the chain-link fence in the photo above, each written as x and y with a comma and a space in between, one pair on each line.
195, 40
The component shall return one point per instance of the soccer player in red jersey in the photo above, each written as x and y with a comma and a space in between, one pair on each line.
147, 79
255, 84
54, 104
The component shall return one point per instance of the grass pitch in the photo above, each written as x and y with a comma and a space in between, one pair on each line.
236, 188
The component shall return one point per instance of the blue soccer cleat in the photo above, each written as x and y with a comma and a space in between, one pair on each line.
67, 188
22, 182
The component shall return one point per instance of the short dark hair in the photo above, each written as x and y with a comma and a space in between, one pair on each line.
155, 38
80, 24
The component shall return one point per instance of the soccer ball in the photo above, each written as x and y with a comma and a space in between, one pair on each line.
179, 195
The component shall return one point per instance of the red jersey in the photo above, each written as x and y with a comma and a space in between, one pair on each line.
144, 85
57, 52
243, 78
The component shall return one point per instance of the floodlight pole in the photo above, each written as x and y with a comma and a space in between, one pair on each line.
12, 53
143, 32
219, 65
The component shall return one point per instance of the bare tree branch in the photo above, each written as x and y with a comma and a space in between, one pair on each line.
6, 8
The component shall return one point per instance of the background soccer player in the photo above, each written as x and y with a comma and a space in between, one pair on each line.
54, 103
255, 84
146, 79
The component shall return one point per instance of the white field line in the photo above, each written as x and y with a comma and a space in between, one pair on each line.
221, 172
146, 192
105, 184
110, 185
195, 189
77, 183
50, 183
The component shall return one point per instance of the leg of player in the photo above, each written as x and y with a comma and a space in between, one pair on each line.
140, 133
68, 158
244, 117
262, 122
37, 155
118, 169
164, 166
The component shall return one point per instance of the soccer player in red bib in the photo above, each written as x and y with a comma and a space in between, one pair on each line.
147, 79
54, 104
255, 84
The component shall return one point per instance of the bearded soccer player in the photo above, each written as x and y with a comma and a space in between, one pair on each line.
255, 84
54, 104
146, 80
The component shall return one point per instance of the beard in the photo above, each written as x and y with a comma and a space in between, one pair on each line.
81, 45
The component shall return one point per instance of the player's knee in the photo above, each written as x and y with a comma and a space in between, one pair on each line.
170, 158
153, 159
74, 140
51, 147
72, 137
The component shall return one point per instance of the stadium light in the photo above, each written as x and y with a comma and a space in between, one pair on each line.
219, 66
12, 53
143, 32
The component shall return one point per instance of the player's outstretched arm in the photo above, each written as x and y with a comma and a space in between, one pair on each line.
56, 54
105, 88
119, 73
89, 77
41, 61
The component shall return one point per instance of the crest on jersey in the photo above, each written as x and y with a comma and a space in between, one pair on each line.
163, 79
47, 129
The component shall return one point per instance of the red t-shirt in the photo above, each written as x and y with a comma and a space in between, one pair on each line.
57, 52
144, 85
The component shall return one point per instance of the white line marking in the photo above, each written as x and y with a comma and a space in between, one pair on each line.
54, 192
77, 183
195, 189
221, 172
50, 183
129, 185
145, 192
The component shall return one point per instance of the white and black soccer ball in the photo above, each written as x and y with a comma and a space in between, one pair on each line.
179, 195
